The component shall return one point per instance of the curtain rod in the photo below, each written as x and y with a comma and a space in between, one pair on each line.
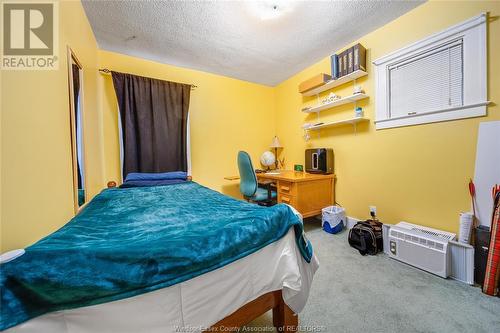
106, 71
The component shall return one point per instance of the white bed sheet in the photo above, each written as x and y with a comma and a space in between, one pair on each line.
195, 304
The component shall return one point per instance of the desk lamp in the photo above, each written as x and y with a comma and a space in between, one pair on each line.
276, 144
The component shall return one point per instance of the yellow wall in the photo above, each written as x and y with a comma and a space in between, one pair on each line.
415, 173
36, 177
226, 115
418, 174
36, 185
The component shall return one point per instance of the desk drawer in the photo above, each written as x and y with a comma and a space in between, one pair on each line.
286, 187
285, 198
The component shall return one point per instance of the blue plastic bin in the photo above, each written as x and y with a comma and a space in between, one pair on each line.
333, 219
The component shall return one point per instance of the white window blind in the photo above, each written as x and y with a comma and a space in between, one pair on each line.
439, 78
428, 82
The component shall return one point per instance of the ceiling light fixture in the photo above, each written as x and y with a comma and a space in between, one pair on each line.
269, 9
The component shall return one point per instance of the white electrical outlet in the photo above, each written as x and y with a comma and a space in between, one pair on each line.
373, 209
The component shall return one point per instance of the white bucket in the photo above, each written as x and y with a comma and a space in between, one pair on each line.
333, 219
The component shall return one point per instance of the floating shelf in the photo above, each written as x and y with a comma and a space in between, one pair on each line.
342, 101
352, 121
334, 83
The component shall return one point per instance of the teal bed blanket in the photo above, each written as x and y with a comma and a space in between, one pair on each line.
131, 241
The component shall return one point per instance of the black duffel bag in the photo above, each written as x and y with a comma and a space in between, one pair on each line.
366, 237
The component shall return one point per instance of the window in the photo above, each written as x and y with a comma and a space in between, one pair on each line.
440, 78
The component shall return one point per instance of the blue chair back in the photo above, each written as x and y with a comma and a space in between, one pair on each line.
248, 179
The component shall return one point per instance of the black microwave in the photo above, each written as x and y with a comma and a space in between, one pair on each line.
319, 160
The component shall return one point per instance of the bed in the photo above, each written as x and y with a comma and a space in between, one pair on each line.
177, 258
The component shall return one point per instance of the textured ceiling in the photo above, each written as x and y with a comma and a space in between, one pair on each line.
232, 38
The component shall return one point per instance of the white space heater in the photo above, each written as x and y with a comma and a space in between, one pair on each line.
422, 247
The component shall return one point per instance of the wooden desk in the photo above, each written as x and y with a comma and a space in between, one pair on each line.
306, 192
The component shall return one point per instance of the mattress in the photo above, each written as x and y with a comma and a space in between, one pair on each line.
195, 304
128, 242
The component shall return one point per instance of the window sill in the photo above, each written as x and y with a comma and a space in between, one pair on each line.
466, 111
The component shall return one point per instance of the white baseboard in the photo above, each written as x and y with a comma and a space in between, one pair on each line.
351, 221
385, 237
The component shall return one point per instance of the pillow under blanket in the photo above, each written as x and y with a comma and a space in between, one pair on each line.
146, 183
134, 176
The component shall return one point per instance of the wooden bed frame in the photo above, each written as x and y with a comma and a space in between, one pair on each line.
283, 317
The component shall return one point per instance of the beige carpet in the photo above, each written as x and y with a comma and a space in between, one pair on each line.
352, 293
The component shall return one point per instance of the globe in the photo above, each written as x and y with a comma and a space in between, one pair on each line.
267, 159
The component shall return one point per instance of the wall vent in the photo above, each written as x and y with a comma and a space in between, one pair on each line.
422, 247
427, 231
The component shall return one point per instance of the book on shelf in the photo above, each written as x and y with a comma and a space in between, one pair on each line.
340, 61
359, 57
350, 60
343, 63
335, 66
344, 69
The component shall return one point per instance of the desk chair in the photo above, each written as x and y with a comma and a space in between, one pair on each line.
249, 186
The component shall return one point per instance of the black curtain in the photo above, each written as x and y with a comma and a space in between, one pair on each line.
76, 96
154, 123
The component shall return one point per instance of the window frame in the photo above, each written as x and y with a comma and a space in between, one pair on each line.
78, 152
473, 34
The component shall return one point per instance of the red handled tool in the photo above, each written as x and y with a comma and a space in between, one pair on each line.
495, 190
472, 192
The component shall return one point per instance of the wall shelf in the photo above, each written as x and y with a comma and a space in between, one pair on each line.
342, 101
351, 121
334, 83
